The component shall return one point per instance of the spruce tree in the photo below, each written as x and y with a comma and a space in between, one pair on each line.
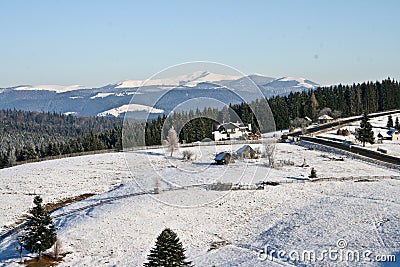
390, 122
40, 231
168, 251
364, 133
313, 173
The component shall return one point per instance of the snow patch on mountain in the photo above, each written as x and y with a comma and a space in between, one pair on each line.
128, 93
101, 95
212, 77
48, 87
292, 82
129, 108
70, 113
191, 79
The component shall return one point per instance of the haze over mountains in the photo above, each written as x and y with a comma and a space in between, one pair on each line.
153, 96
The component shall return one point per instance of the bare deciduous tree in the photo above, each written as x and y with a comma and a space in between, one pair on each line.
57, 248
269, 153
172, 140
157, 185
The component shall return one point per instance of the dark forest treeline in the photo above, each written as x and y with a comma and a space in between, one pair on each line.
29, 135
349, 100
197, 125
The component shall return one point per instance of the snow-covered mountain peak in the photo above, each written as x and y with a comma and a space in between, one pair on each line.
191, 79
292, 82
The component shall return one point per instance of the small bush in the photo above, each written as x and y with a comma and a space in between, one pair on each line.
188, 155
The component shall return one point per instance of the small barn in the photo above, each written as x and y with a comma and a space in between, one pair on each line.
223, 158
246, 152
324, 119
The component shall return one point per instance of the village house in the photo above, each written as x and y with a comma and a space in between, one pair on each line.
396, 136
231, 130
324, 119
392, 134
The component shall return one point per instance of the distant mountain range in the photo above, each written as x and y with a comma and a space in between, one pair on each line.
155, 96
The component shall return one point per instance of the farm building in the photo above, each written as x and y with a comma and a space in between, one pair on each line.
392, 134
247, 152
223, 158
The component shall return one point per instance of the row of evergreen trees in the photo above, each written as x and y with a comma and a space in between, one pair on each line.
29, 135
349, 100
196, 125
110, 139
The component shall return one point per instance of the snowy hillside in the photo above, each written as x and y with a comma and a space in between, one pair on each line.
286, 82
295, 215
56, 180
170, 92
56, 88
191, 79
129, 108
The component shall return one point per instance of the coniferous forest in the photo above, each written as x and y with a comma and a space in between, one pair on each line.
33, 135
29, 135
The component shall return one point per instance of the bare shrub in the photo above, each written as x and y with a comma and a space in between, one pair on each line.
188, 155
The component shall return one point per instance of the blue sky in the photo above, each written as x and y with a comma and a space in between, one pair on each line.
99, 42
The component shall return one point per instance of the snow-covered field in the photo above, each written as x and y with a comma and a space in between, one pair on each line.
56, 180
290, 216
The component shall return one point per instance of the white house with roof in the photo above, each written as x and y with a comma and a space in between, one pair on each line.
324, 119
232, 130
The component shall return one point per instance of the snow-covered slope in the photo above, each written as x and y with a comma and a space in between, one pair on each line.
56, 88
286, 82
101, 95
191, 79
196, 85
129, 108
309, 216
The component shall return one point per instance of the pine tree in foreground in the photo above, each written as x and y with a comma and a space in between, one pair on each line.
168, 251
40, 231
364, 133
